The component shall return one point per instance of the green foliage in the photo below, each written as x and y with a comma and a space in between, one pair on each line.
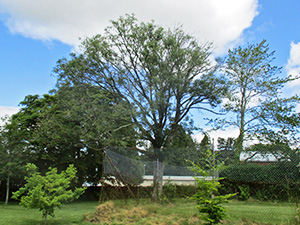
169, 193
244, 193
280, 151
213, 209
48, 192
273, 181
254, 95
208, 199
205, 142
69, 126
226, 150
154, 71
283, 121
267, 174
12, 157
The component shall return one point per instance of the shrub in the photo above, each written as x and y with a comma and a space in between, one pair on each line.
244, 193
208, 199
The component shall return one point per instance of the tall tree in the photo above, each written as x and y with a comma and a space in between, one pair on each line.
183, 149
26, 127
160, 73
226, 149
70, 126
205, 142
281, 120
254, 81
12, 158
98, 120
280, 152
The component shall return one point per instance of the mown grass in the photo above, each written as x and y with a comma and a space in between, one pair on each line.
259, 212
179, 212
14, 214
183, 211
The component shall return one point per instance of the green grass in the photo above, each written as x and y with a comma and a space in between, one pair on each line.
262, 212
14, 214
180, 212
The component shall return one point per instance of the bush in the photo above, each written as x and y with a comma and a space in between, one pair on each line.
267, 174
284, 187
244, 193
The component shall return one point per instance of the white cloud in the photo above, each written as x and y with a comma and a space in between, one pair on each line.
222, 22
293, 65
230, 132
7, 111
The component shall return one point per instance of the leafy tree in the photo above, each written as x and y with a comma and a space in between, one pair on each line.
254, 82
182, 149
24, 125
103, 118
85, 121
70, 126
280, 151
226, 148
161, 74
42, 144
281, 121
12, 158
205, 142
48, 192
225, 144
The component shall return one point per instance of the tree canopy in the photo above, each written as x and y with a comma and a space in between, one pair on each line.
140, 83
160, 73
254, 88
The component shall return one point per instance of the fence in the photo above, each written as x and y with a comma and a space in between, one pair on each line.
259, 180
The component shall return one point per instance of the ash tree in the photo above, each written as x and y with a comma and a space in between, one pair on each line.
161, 74
254, 96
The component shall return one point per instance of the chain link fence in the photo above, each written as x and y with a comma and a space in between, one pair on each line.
273, 179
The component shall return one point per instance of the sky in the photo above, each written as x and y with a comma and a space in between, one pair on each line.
34, 34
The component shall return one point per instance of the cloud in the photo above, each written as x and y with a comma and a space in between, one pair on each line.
293, 65
230, 132
222, 22
293, 68
7, 111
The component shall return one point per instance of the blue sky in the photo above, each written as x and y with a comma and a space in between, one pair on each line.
34, 34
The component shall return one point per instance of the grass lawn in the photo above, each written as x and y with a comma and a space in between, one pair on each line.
262, 212
180, 212
14, 214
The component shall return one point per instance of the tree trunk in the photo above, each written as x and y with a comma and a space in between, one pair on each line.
45, 220
240, 139
238, 147
7, 190
158, 171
